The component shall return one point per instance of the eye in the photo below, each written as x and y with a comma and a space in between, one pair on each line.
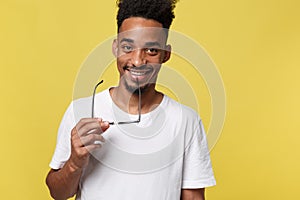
152, 51
127, 48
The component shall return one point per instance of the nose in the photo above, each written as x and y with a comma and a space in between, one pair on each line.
138, 57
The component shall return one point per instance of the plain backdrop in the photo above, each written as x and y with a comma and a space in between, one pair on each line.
254, 43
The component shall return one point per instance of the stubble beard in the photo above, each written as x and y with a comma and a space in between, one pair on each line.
135, 89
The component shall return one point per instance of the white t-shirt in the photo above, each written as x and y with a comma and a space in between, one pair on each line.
154, 159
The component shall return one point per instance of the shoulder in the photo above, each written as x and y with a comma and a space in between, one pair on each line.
82, 107
103, 95
184, 110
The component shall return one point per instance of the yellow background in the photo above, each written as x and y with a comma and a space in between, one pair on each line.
255, 44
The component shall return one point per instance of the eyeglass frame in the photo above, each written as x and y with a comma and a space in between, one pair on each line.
121, 122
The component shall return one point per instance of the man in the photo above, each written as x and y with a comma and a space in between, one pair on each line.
163, 154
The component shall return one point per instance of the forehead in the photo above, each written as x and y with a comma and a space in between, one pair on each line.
141, 30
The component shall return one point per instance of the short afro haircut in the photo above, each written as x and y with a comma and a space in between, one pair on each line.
158, 10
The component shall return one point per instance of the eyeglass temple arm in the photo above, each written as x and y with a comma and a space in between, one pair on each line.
139, 108
140, 99
93, 99
112, 123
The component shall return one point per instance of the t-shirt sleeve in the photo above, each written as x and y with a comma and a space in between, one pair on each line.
197, 169
63, 145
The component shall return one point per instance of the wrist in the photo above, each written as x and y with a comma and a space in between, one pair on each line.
73, 168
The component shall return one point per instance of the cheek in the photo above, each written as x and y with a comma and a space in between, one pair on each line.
160, 58
121, 61
155, 60
156, 68
120, 67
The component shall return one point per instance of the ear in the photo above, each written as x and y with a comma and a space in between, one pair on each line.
167, 53
115, 48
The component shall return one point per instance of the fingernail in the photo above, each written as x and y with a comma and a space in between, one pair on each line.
98, 142
105, 123
99, 119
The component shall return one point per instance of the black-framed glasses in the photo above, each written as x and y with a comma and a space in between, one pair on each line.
120, 122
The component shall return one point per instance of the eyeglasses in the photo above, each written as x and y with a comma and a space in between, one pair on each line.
120, 122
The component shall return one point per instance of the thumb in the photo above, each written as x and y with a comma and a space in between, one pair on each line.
104, 125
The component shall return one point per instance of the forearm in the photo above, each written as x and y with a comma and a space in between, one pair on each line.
63, 183
193, 194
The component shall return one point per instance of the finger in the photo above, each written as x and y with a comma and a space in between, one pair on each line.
92, 127
80, 141
91, 138
93, 147
82, 122
75, 139
104, 125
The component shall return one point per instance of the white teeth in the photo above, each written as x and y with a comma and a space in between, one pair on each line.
135, 73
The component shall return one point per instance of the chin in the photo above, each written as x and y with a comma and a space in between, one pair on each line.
134, 89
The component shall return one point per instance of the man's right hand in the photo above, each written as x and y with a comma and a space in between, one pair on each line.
85, 137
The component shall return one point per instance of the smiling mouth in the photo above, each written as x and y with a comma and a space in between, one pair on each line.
142, 71
139, 72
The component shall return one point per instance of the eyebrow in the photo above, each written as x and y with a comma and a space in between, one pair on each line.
150, 44
147, 44
127, 40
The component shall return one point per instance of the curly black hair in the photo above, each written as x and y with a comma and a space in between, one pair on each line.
158, 10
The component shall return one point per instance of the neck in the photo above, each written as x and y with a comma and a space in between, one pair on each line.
129, 102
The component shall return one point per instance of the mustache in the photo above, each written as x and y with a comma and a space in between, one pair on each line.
142, 67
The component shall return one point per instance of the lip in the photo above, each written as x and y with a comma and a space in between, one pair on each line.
140, 74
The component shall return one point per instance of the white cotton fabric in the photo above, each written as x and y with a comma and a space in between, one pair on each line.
166, 152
